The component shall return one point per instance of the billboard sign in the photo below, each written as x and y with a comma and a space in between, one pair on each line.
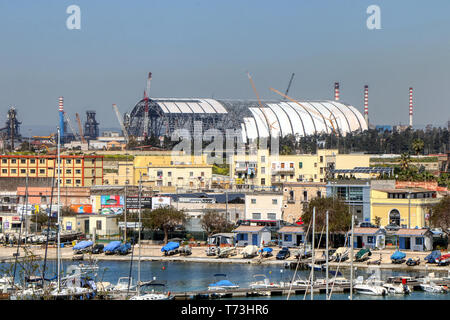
81, 208
133, 202
159, 201
112, 204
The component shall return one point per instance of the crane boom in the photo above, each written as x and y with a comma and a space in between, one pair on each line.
70, 126
304, 107
80, 128
119, 117
146, 97
289, 85
260, 104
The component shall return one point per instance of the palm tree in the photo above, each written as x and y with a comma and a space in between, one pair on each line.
418, 146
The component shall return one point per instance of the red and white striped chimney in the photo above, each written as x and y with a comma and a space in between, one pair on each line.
366, 104
411, 107
336, 91
61, 104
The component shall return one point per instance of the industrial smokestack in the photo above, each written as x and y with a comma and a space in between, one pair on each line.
336, 91
61, 117
411, 107
366, 104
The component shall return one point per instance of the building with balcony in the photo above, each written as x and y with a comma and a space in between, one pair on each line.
264, 208
296, 196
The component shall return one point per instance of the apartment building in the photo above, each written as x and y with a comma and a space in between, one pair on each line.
76, 171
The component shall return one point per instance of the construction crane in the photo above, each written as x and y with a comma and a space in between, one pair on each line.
306, 108
80, 128
122, 126
289, 86
261, 106
66, 117
146, 97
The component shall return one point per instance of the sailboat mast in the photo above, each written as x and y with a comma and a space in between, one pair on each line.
351, 261
326, 256
59, 211
313, 254
139, 232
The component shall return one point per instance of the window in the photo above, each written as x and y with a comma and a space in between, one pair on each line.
319, 194
191, 174
78, 171
202, 174
282, 165
23, 161
169, 184
99, 224
263, 170
116, 181
370, 239
315, 164
78, 161
419, 241
305, 195
159, 173
291, 165
13, 160
68, 181
263, 181
68, 171
253, 201
321, 159
32, 171
169, 173
287, 237
256, 216
394, 217
23, 171
242, 237
321, 170
41, 161
32, 161
271, 216
4, 170
106, 181
263, 159
13, 171
300, 165
68, 161
78, 181
42, 171
274, 201
4, 161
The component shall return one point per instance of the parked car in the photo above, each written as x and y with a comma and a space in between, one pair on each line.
367, 225
392, 227
284, 253
98, 248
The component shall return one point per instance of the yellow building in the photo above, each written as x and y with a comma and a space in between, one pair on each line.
168, 172
400, 206
264, 170
76, 171
120, 176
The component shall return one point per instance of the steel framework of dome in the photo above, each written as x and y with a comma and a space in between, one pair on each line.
274, 118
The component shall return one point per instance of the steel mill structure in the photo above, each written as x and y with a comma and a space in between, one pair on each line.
270, 118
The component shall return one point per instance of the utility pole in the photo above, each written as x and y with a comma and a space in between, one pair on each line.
409, 209
326, 257
139, 232
313, 254
351, 261
59, 211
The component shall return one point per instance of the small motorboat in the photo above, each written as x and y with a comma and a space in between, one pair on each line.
413, 261
341, 254
431, 258
398, 257
222, 284
111, 248
262, 283
397, 288
170, 248
362, 255
226, 252
433, 288
123, 283
443, 260
185, 251
82, 247
124, 249
153, 296
249, 251
371, 287
211, 251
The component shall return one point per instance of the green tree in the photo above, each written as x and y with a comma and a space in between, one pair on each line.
339, 217
440, 215
164, 218
215, 222
418, 146
377, 221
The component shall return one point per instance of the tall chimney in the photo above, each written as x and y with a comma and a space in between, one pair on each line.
366, 104
61, 117
336, 91
411, 107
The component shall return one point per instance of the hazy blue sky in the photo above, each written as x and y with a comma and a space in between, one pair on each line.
204, 48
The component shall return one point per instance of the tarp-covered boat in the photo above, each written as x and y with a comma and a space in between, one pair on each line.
124, 248
431, 258
112, 247
413, 261
363, 254
266, 252
83, 245
222, 284
170, 248
398, 257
